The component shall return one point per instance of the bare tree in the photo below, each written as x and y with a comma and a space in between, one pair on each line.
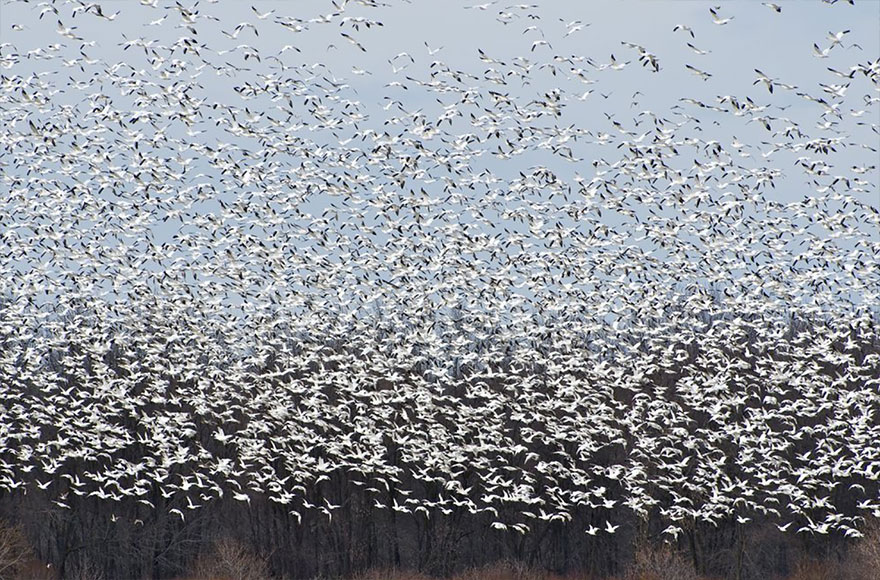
15, 552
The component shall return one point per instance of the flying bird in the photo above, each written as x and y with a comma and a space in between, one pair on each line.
702, 74
717, 19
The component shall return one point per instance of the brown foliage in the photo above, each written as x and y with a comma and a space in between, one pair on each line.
503, 571
866, 554
822, 570
506, 570
36, 570
15, 552
659, 563
391, 574
87, 570
861, 562
231, 560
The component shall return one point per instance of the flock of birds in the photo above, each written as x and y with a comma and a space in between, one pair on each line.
227, 272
